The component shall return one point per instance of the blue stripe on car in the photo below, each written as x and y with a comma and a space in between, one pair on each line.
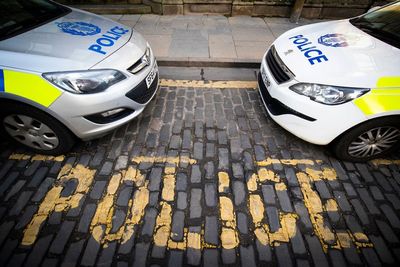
1, 81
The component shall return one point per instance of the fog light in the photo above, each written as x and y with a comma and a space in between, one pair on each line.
112, 112
109, 116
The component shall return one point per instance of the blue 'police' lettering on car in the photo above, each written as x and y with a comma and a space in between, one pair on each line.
309, 50
108, 39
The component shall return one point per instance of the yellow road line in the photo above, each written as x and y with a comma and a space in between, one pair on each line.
16, 156
271, 161
53, 200
377, 162
210, 84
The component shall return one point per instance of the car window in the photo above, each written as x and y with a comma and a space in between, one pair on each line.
18, 16
383, 24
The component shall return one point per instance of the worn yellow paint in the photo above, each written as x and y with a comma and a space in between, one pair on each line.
267, 175
194, 240
286, 232
179, 245
54, 202
172, 160
98, 233
134, 217
223, 182
344, 240
101, 224
105, 209
262, 231
182, 245
377, 162
328, 174
209, 84
50, 158
252, 183
292, 162
280, 187
132, 174
361, 237
262, 235
169, 170
314, 206
331, 205
163, 225
136, 207
229, 235
256, 208
229, 238
114, 183
312, 201
16, 156
168, 191
140, 201
226, 210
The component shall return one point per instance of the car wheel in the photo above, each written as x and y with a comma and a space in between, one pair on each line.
369, 140
35, 129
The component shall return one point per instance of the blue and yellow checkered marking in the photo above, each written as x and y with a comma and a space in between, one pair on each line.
1, 81
28, 85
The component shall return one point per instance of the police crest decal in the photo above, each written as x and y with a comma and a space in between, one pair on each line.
79, 28
334, 40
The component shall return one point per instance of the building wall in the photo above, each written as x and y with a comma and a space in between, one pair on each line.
279, 8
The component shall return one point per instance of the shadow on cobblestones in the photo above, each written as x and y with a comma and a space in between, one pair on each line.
202, 177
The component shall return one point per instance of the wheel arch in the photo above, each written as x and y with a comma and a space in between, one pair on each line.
17, 100
390, 116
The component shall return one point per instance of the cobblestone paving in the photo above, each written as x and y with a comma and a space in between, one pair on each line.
202, 177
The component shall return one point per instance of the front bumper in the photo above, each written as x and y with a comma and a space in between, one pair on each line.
76, 111
311, 121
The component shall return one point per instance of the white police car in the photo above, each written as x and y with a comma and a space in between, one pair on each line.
338, 83
66, 73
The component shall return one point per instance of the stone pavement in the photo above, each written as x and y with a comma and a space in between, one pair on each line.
202, 177
209, 38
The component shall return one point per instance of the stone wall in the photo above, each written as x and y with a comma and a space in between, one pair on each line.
277, 8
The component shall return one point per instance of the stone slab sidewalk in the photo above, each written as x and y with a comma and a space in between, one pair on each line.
209, 38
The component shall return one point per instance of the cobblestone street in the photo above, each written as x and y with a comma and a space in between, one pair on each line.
202, 177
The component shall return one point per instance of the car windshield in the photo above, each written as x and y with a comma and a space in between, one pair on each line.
383, 24
18, 16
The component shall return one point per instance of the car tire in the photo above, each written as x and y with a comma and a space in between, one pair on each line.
35, 129
369, 140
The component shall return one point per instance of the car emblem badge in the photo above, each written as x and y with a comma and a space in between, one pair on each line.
146, 60
334, 40
288, 52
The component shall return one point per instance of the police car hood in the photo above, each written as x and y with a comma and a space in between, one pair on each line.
76, 41
337, 53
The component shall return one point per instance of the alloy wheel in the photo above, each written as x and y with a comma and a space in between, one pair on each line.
374, 141
30, 132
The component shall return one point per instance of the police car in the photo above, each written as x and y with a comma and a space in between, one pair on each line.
338, 83
66, 73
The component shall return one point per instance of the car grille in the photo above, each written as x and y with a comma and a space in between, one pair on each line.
142, 63
274, 105
278, 69
141, 94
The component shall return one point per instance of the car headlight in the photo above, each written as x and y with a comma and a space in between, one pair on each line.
327, 94
85, 82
